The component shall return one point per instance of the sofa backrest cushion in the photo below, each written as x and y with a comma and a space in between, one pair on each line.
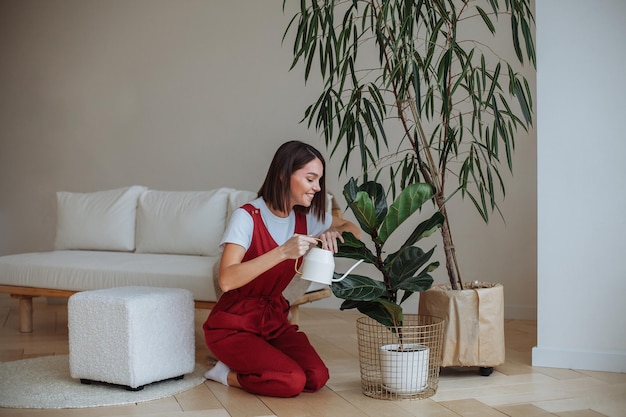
103, 220
181, 222
238, 198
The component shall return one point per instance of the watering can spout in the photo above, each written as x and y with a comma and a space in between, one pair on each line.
319, 266
348, 271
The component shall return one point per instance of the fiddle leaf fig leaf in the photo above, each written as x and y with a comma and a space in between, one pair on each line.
420, 283
394, 312
364, 212
408, 202
358, 288
387, 313
426, 228
377, 194
367, 204
405, 264
417, 284
353, 248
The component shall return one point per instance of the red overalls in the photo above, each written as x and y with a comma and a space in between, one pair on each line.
248, 329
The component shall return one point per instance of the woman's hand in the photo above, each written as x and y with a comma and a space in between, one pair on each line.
339, 225
234, 273
297, 246
329, 239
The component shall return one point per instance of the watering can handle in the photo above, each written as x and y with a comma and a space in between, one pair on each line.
295, 265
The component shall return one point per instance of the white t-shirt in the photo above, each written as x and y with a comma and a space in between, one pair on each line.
241, 225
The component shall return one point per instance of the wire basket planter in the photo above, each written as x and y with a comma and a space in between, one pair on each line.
403, 364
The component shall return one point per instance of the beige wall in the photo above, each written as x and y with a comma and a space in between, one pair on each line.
184, 95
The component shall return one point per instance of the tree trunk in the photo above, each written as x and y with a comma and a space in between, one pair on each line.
448, 247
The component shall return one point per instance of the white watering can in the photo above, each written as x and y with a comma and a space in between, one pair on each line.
319, 265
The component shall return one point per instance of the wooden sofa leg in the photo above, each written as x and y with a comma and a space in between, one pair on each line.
26, 313
295, 314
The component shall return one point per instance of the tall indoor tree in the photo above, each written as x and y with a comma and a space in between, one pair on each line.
410, 94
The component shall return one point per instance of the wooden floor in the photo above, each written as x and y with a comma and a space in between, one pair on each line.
515, 389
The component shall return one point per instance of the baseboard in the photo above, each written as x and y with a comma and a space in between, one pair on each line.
613, 361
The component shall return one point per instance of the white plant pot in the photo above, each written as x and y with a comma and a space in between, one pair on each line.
404, 371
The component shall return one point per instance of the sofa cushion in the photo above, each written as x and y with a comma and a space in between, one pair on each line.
103, 220
181, 222
238, 198
80, 270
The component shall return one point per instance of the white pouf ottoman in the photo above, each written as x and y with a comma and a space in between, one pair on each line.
131, 336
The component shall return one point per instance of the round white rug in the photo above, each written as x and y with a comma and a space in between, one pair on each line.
45, 382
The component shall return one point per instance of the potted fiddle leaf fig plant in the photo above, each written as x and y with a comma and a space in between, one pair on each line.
408, 347
402, 272
414, 91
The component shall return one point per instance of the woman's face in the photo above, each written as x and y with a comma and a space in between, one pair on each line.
305, 182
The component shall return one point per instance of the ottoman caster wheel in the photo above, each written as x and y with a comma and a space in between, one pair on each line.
134, 389
486, 371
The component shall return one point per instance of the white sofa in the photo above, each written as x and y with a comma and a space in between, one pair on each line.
133, 236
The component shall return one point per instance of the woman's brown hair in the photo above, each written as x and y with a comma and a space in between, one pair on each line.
290, 157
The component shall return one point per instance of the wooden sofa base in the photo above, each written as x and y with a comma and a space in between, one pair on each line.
25, 296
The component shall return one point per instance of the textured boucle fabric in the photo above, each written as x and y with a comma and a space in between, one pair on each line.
131, 335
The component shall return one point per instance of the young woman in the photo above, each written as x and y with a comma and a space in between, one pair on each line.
248, 330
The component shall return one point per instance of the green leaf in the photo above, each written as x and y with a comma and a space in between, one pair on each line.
516, 45
368, 204
417, 284
353, 248
408, 202
405, 263
358, 288
486, 19
523, 101
386, 313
